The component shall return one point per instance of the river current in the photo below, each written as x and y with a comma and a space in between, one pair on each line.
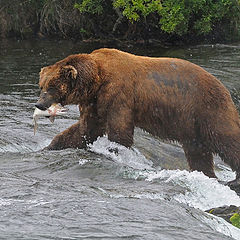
143, 193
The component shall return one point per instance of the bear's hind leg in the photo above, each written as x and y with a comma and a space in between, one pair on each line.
199, 158
229, 150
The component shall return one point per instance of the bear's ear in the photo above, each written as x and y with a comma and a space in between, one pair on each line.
70, 71
42, 70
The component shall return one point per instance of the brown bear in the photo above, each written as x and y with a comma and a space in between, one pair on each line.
170, 98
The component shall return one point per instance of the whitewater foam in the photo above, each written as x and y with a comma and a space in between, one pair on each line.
200, 191
124, 156
203, 193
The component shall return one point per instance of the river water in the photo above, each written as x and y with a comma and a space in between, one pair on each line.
143, 193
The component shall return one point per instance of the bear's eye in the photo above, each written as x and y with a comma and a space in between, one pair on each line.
52, 90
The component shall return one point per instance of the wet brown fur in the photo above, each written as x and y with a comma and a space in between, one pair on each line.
170, 98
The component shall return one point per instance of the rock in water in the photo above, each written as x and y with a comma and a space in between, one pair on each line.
225, 212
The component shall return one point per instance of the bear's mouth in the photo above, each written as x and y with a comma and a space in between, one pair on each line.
40, 106
62, 101
45, 100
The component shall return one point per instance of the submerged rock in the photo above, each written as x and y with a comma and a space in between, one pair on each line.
229, 213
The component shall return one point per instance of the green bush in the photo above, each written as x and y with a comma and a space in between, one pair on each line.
134, 9
181, 16
174, 16
235, 220
90, 6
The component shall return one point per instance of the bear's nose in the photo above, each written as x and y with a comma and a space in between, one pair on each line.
40, 106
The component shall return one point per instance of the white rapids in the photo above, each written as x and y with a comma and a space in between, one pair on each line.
200, 191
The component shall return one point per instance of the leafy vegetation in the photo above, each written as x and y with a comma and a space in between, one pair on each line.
90, 6
167, 20
235, 220
134, 9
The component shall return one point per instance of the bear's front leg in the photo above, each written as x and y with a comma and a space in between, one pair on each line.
70, 138
85, 131
120, 126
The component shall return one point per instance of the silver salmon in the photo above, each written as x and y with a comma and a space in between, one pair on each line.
53, 111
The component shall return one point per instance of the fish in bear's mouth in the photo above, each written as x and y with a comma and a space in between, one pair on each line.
51, 112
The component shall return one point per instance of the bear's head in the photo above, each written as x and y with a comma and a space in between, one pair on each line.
70, 81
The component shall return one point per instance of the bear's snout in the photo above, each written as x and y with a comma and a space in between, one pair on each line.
40, 106
45, 100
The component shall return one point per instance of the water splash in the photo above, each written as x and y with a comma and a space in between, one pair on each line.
200, 191
128, 157
203, 193
225, 174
